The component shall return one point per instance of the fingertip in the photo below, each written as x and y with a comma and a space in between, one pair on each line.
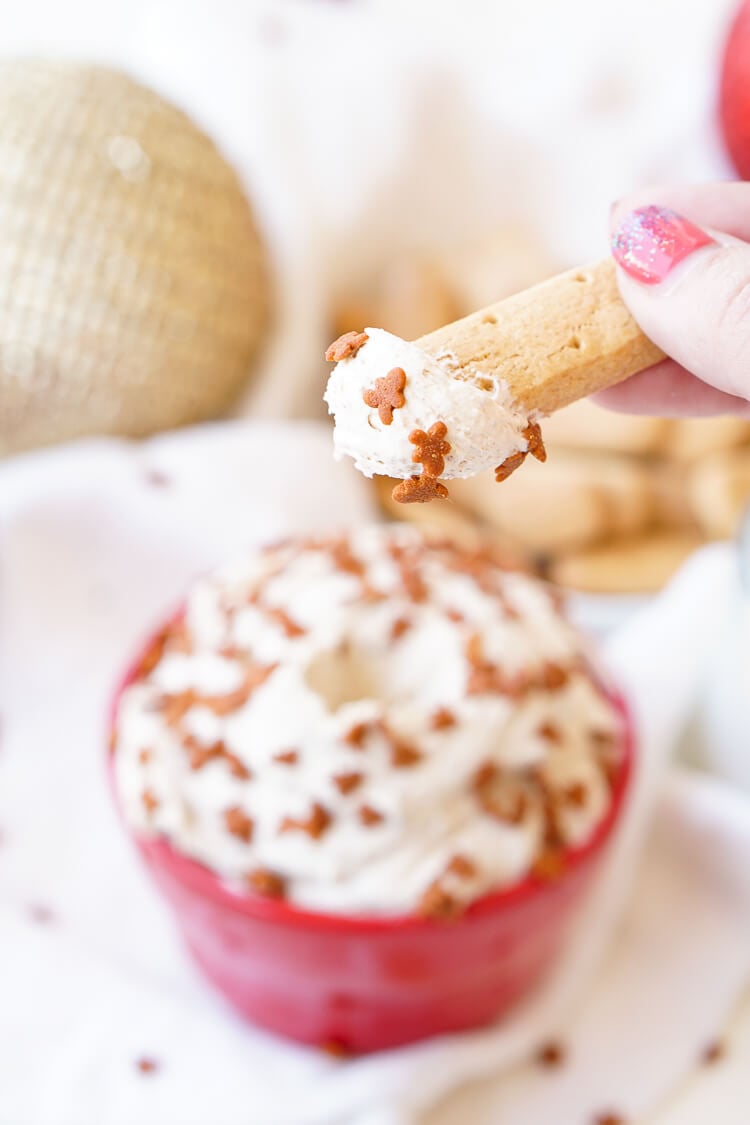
667, 390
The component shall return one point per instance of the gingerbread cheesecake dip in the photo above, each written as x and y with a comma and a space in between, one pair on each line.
368, 725
470, 396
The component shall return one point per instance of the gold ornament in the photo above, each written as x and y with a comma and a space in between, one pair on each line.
134, 290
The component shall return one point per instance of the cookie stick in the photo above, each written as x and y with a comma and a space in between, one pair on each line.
552, 344
485, 381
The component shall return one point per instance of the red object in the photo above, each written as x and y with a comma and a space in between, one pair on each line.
734, 92
651, 241
362, 984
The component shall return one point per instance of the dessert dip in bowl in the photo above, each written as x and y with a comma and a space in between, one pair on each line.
373, 777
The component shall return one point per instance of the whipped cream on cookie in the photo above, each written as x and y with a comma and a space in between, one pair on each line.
368, 725
374, 415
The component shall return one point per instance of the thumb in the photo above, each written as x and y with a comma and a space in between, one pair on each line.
689, 290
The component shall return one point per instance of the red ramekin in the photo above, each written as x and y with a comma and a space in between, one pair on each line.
368, 983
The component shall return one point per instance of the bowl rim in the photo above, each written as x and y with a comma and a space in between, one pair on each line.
209, 885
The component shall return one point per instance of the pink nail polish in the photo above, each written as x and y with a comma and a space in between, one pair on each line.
651, 241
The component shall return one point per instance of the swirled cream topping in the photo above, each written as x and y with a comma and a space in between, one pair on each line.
368, 725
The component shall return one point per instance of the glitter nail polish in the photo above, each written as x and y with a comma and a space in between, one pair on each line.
651, 241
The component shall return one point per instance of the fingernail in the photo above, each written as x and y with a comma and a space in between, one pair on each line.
651, 241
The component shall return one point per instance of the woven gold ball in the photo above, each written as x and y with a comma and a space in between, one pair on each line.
134, 291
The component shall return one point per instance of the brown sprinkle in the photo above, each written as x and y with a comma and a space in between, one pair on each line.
387, 395
150, 801
315, 825
554, 677
225, 704
146, 1065
343, 558
412, 581
369, 816
549, 865
144, 757
516, 686
437, 903
404, 755
554, 839
462, 867
509, 466
239, 824
200, 754
486, 774
419, 490
609, 1119
551, 1054
504, 800
713, 1053
345, 346
508, 805
370, 593
180, 640
400, 626
533, 435
431, 448
174, 707
266, 883
287, 757
482, 677
153, 654
288, 624
611, 768
484, 569
485, 677
549, 732
347, 782
357, 734
474, 651
489, 679
575, 795
237, 768
255, 676
442, 719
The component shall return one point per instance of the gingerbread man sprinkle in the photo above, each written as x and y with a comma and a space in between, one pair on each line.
387, 395
534, 446
419, 490
346, 346
509, 465
431, 448
533, 435
430, 451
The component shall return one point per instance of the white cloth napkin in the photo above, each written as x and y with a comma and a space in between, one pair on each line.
97, 541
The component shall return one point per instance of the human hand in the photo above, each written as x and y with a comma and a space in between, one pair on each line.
683, 264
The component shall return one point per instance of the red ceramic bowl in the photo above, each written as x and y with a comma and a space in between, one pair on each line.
367, 983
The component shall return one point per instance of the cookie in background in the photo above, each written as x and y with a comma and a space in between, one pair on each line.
620, 503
